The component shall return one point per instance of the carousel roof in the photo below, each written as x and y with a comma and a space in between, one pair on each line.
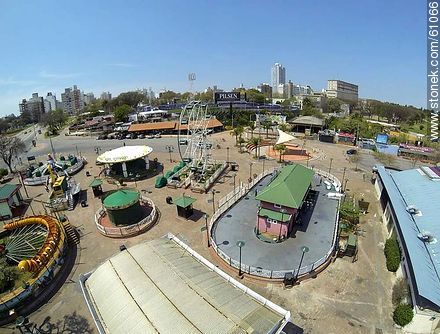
124, 153
121, 199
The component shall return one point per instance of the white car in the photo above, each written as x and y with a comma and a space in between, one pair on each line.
157, 135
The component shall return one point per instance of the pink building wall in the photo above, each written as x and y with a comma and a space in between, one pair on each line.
274, 229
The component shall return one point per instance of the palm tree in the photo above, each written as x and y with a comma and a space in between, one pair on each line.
252, 128
237, 132
281, 148
267, 126
256, 141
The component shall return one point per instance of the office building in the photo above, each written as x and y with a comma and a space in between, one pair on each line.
106, 96
278, 76
266, 89
51, 102
34, 107
72, 100
342, 90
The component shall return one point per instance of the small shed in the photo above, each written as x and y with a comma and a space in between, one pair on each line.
10, 200
184, 206
96, 187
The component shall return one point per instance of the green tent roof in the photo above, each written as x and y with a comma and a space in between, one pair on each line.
121, 199
184, 201
7, 190
96, 182
275, 215
289, 187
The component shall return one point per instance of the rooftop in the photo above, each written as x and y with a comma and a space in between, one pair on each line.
184, 201
7, 190
419, 188
121, 199
308, 120
170, 125
163, 286
289, 187
124, 153
96, 182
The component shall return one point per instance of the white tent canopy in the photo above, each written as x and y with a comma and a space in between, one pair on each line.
284, 137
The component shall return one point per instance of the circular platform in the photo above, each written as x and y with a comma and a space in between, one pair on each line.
124, 153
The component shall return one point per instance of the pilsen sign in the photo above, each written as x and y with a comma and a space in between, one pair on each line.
227, 97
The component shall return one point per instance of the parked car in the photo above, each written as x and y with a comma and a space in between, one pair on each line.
134, 136
352, 151
128, 136
150, 136
141, 136
157, 135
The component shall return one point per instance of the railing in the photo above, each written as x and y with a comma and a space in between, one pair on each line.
129, 230
231, 198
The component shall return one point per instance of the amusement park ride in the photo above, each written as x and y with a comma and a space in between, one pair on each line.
195, 148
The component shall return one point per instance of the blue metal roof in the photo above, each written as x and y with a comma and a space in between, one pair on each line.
414, 187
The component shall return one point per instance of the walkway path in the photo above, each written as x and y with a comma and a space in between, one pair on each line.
316, 232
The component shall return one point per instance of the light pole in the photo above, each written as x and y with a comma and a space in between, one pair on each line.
283, 211
170, 150
330, 167
250, 171
304, 250
234, 176
213, 201
343, 177
207, 231
227, 156
345, 185
240, 244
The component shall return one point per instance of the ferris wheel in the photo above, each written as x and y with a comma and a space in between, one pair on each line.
194, 149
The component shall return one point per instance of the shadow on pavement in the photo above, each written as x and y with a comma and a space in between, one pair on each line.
292, 329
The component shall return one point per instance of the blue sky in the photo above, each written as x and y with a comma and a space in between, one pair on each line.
123, 45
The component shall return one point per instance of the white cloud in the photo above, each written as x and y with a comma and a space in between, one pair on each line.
14, 82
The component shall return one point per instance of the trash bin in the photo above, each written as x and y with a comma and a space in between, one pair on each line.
169, 200
289, 280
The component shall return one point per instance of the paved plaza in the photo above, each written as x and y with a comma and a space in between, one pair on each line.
315, 231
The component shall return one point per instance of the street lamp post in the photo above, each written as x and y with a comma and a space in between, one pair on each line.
283, 211
207, 231
304, 250
240, 244
330, 167
234, 176
343, 177
213, 201
250, 172
170, 150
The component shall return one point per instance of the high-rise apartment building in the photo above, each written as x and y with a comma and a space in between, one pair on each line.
107, 96
88, 98
51, 102
278, 76
72, 100
34, 107
342, 90
266, 89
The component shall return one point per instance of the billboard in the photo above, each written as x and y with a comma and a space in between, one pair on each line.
227, 97
382, 138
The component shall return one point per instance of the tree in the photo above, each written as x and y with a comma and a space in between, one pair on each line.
384, 158
354, 159
256, 141
284, 127
267, 125
3, 173
281, 148
252, 128
121, 113
403, 314
10, 147
54, 120
8, 275
333, 105
131, 99
253, 95
237, 132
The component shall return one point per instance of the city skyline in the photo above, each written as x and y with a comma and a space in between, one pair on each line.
151, 46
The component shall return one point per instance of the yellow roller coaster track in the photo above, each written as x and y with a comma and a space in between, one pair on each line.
51, 246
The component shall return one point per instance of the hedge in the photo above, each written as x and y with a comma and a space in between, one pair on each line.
392, 254
403, 314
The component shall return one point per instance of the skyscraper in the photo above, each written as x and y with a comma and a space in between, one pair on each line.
278, 76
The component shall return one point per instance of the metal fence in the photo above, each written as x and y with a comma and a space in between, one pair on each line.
129, 230
231, 198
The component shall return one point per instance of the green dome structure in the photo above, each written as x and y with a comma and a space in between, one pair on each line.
123, 207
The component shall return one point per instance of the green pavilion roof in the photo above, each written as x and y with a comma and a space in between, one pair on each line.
7, 190
289, 187
96, 182
184, 201
275, 215
120, 199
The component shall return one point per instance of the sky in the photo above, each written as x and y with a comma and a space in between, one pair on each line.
120, 45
